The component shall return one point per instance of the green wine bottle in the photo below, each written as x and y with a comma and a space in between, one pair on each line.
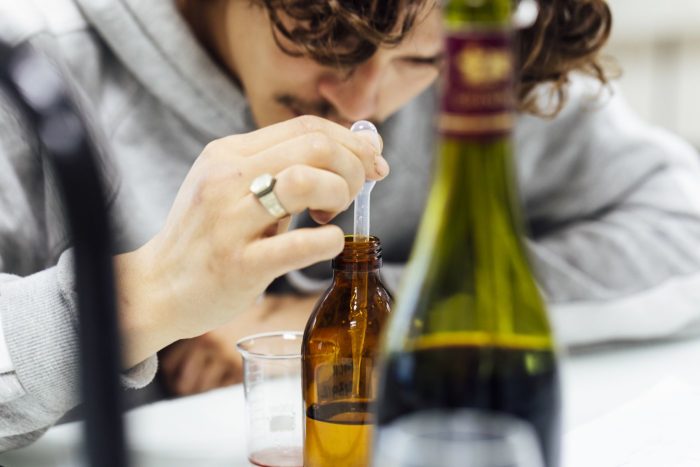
469, 373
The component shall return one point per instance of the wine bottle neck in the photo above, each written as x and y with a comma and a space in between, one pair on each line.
474, 172
470, 246
482, 13
480, 185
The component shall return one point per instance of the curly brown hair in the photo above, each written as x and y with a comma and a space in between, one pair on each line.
341, 33
567, 36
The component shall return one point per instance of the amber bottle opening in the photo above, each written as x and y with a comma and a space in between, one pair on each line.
360, 254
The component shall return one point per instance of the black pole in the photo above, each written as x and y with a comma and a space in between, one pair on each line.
39, 89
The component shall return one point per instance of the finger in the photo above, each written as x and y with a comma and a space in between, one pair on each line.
372, 137
191, 371
294, 250
298, 188
172, 356
234, 369
316, 150
313, 149
380, 164
232, 376
212, 375
264, 138
283, 225
302, 187
275, 228
321, 217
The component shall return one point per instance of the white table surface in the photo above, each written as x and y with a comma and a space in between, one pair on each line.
624, 406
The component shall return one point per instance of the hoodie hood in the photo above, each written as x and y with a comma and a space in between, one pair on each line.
153, 41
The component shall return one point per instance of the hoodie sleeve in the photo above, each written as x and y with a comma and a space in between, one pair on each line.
37, 300
613, 206
615, 217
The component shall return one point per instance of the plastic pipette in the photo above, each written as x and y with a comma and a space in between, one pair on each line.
361, 226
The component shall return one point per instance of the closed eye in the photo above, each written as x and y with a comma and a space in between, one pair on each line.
437, 61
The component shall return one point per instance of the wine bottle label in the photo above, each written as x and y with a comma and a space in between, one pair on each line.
477, 96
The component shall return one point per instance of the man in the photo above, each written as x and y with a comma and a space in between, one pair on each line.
163, 79
591, 224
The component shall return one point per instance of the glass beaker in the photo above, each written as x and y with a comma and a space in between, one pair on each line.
274, 406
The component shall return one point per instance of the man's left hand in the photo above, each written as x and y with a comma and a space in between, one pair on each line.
211, 361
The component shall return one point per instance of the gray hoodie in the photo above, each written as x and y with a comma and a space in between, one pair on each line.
613, 205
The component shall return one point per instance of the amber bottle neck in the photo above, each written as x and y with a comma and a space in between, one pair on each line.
361, 254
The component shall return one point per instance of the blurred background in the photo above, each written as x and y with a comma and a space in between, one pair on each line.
657, 46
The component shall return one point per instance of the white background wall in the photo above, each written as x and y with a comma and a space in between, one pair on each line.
657, 45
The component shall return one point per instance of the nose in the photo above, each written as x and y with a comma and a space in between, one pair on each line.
355, 97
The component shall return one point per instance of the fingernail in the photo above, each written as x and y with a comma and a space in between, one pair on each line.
381, 166
322, 217
369, 133
375, 139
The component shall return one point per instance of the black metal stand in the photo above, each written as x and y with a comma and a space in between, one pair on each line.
39, 89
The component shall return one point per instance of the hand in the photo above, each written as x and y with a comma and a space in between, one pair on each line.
220, 248
199, 364
211, 361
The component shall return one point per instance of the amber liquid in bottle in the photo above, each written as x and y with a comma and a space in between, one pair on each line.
339, 355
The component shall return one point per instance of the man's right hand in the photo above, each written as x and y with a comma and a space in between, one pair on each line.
220, 248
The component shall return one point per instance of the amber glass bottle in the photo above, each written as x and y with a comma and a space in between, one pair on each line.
339, 355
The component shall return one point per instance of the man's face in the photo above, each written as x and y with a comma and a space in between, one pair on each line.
279, 86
